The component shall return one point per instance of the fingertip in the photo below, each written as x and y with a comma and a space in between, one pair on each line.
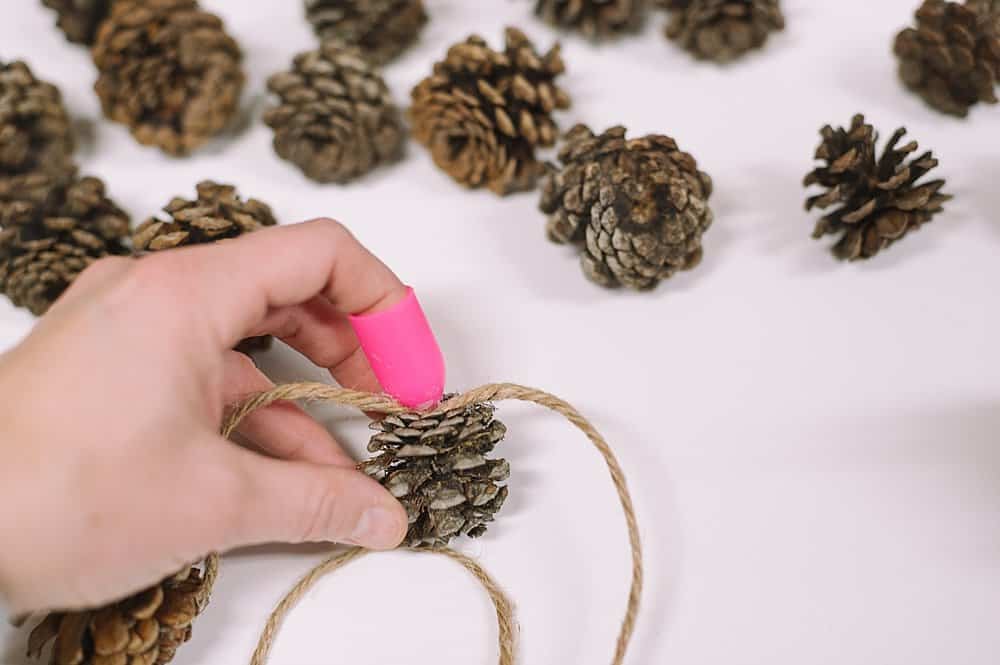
403, 351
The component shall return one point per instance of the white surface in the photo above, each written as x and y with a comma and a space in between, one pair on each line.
813, 447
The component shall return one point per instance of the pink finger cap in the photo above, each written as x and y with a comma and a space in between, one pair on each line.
403, 352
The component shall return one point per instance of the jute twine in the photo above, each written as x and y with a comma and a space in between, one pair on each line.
496, 392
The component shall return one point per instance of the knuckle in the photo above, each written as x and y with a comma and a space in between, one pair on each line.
154, 270
153, 278
99, 273
337, 232
150, 285
321, 517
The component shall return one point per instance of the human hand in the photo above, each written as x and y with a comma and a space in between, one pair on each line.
112, 471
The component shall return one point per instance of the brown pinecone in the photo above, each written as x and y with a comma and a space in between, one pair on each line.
878, 200
482, 113
594, 18
436, 465
144, 629
79, 19
952, 57
637, 208
380, 29
41, 258
336, 119
217, 214
169, 71
36, 143
723, 30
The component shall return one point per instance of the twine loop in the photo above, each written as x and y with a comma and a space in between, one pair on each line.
495, 392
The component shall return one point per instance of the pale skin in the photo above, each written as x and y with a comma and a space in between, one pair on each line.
113, 473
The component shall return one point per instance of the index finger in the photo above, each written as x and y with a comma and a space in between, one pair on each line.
232, 285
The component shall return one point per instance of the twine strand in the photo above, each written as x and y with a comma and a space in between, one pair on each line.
496, 392
502, 604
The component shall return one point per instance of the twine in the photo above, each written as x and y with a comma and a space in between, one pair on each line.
372, 403
504, 608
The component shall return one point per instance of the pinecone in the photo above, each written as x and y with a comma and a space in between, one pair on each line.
336, 120
380, 29
79, 19
436, 465
636, 207
723, 30
482, 113
169, 71
594, 18
36, 143
144, 629
217, 214
41, 258
952, 58
879, 201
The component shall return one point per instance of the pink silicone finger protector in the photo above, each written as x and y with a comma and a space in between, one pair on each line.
403, 352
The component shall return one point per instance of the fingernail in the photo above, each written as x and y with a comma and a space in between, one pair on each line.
378, 529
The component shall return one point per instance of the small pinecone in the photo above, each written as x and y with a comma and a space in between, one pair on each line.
380, 29
36, 143
594, 18
144, 629
41, 258
436, 465
169, 71
482, 113
79, 19
723, 30
217, 214
336, 119
636, 207
952, 58
878, 200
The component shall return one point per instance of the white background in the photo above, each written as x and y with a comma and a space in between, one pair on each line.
812, 446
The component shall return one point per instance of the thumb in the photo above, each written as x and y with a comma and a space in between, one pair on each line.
294, 502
